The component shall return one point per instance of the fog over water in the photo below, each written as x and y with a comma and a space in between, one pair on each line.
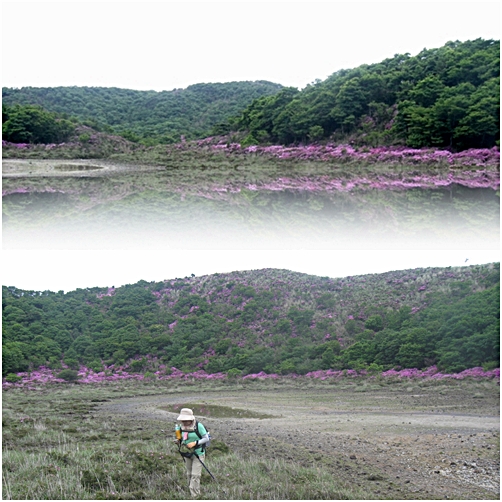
445, 218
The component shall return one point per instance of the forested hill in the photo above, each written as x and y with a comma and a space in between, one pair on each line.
448, 97
445, 97
269, 320
147, 115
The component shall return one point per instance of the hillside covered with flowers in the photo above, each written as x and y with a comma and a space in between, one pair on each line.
260, 322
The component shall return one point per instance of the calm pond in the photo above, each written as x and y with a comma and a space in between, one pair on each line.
107, 215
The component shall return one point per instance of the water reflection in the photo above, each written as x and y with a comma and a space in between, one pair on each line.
110, 215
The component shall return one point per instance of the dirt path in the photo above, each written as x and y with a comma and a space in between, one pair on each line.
397, 445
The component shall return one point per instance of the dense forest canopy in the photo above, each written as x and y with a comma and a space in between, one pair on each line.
266, 320
447, 97
142, 115
33, 124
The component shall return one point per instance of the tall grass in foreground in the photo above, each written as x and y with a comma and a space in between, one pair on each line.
153, 470
56, 447
58, 444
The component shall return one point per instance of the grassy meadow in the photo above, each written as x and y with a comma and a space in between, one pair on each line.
83, 442
56, 447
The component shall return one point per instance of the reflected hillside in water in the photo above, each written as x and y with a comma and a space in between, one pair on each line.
106, 213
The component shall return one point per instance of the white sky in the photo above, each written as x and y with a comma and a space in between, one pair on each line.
69, 270
165, 45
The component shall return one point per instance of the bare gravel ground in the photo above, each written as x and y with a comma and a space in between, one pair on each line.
402, 442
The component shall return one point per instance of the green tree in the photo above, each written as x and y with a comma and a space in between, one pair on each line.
328, 358
13, 358
363, 352
33, 124
283, 326
287, 367
46, 348
374, 323
351, 327
326, 301
234, 373
426, 92
68, 375
481, 124
259, 359
411, 355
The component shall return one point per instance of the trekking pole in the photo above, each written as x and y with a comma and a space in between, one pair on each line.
214, 479
208, 471
198, 458
204, 465
179, 450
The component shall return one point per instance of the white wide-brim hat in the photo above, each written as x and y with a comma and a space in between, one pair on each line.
186, 414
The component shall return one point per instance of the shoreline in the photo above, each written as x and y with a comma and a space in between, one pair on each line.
298, 178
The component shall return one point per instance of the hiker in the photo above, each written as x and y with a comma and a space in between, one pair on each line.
195, 443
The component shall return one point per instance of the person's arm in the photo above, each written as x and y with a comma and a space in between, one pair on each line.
203, 440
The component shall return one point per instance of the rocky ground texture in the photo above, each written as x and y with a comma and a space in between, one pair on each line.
402, 442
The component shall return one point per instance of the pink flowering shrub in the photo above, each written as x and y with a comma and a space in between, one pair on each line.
487, 157
260, 324
44, 376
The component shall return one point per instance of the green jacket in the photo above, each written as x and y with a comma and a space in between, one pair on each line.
192, 436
